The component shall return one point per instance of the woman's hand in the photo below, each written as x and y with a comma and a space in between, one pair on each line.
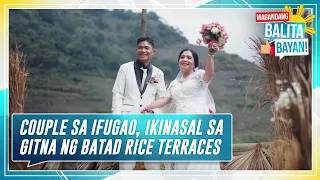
213, 48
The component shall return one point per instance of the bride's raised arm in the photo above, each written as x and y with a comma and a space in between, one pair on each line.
209, 69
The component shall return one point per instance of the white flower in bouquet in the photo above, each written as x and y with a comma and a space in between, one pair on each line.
221, 41
215, 30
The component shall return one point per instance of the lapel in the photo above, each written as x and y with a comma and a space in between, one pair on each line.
137, 75
150, 69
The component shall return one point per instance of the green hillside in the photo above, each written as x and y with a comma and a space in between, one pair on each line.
73, 57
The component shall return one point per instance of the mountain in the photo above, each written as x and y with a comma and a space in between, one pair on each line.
73, 57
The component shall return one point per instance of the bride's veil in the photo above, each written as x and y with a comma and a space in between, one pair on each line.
170, 107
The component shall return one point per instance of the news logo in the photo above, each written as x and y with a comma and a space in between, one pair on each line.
287, 30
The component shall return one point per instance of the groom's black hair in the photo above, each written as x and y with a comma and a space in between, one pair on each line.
194, 54
148, 39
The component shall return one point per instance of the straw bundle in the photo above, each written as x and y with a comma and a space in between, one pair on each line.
85, 165
141, 166
239, 149
17, 81
53, 166
17, 85
286, 154
256, 158
97, 166
289, 85
107, 166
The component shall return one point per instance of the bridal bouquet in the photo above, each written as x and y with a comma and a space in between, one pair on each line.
213, 34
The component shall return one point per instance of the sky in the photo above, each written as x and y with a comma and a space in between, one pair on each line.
239, 23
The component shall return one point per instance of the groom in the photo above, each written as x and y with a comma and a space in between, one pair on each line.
138, 84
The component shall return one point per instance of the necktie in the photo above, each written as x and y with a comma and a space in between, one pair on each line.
144, 76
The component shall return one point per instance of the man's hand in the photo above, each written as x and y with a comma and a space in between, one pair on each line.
265, 49
146, 110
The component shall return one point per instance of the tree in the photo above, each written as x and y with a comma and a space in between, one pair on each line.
143, 23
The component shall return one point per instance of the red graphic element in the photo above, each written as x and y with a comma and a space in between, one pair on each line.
272, 50
210, 111
262, 17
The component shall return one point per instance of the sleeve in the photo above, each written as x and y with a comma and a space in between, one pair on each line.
118, 91
167, 94
161, 90
200, 75
168, 91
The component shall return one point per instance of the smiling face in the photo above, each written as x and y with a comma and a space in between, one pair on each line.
186, 62
144, 51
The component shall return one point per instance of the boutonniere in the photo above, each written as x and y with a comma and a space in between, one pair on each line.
154, 80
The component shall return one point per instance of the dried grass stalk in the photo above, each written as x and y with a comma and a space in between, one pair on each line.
53, 166
107, 166
243, 147
85, 165
97, 166
254, 159
17, 85
285, 154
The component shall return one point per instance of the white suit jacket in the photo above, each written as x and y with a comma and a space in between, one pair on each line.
127, 96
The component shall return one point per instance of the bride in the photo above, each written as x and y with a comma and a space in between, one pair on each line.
189, 93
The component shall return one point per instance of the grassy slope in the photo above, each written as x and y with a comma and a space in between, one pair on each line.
73, 58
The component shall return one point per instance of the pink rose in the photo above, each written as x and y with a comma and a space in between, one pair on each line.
209, 27
203, 27
225, 36
221, 28
212, 44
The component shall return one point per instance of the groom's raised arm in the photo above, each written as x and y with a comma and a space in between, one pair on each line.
118, 91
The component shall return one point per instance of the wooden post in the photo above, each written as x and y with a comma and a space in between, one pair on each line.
143, 23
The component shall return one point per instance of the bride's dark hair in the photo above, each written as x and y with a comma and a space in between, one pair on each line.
194, 54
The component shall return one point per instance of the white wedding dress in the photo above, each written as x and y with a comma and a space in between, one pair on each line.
190, 95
